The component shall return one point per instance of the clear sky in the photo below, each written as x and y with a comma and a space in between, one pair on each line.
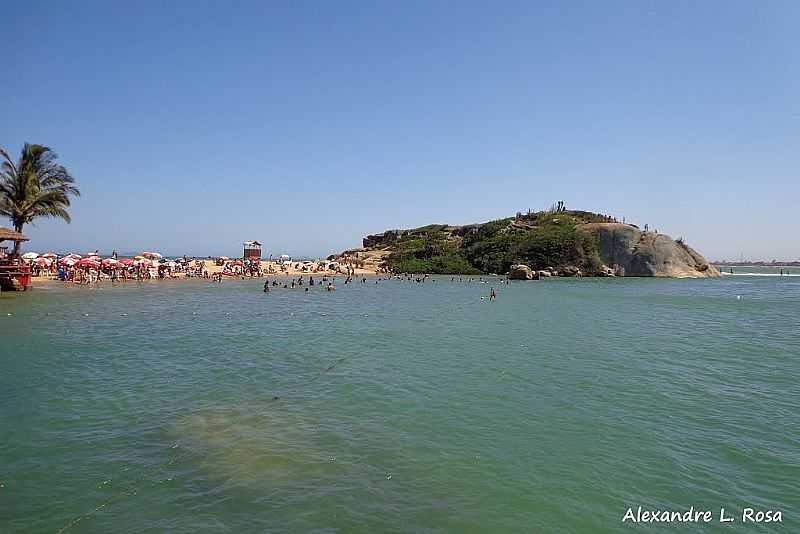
192, 126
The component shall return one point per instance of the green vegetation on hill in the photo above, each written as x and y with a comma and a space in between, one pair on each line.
539, 240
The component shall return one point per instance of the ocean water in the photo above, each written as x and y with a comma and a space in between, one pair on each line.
399, 406
759, 270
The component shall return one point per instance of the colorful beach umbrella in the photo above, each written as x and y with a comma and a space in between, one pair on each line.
126, 261
88, 262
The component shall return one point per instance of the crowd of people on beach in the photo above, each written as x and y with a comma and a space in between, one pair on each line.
90, 268
306, 275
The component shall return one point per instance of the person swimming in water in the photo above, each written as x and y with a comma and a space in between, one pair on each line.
492, 295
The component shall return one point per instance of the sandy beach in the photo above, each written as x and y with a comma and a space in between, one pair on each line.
269, 269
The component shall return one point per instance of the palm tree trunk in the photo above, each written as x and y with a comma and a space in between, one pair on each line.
17, 244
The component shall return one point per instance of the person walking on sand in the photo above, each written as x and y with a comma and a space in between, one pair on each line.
492, 295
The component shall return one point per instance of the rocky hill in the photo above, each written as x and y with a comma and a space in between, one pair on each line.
556, 242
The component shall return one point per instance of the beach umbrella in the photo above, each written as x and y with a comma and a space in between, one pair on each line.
138, 258
41, 261
224, 258
126, 261
50, 255
69, 262
172, 264
152, 255
109, 262
30, 256
88, 262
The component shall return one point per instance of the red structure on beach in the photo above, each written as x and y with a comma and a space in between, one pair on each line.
14, 274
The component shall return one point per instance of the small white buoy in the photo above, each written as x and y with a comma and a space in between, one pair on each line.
86, 315
9, 315
738, 297
123, 314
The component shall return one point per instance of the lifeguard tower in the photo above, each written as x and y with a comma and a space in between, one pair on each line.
252, 250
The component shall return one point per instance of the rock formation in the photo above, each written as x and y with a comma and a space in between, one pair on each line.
522, 272
627, 250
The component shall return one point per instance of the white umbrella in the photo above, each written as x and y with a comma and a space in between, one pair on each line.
50, 255
152, 255
30, 256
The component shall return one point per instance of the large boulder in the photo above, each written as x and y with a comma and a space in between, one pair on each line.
636, 253
571, 270
522, 272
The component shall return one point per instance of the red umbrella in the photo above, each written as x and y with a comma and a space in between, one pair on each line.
126, 261
88, 262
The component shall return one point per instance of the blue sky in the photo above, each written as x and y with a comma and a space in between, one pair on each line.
192, 126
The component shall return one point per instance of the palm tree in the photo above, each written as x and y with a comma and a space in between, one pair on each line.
36, 187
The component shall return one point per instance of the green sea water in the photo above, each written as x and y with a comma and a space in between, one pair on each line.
399, 406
